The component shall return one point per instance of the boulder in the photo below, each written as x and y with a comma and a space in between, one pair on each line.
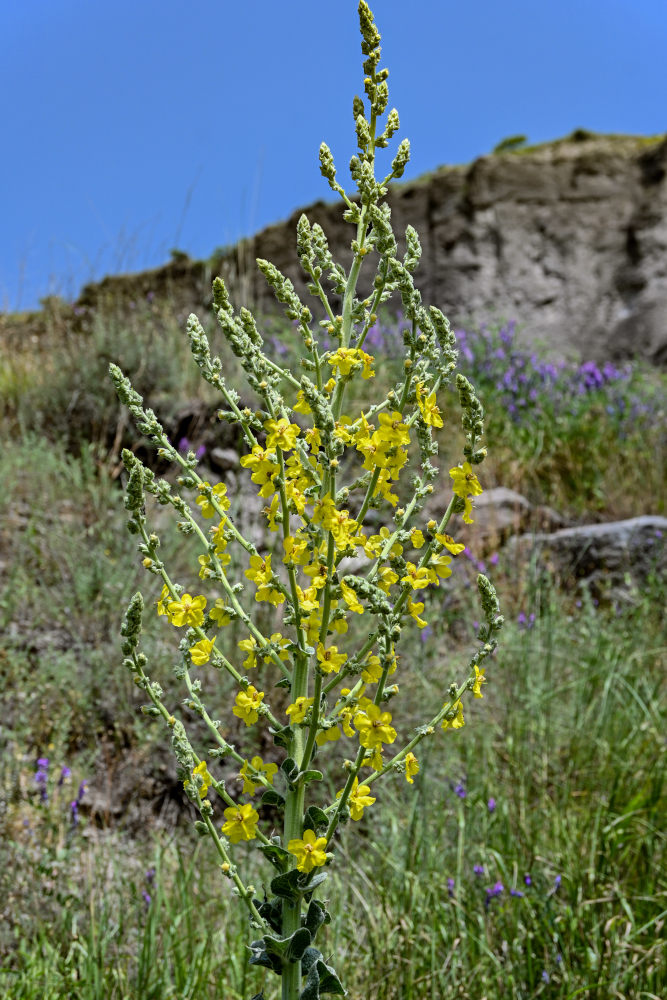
498, 514
609, 559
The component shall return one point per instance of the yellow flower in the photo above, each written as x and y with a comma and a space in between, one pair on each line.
351, 599
330, 660
440, 565
201, 771
309, 852
250, 784
297, 711
392, 432
348, 358
479, 680
164, 600
448, 542
250, 647
302, 405
428, 407
262, 462
386, 578
466, 482
415, 608
358, 800
219, 613
458, 722
330, 735
281, 434
323, 511
187, 611
417, 538
261, 574
247, 703
219, 494
411, 767
372, 670
376, 543
374, 727
417, 577
296, 553
241, 823
200, 653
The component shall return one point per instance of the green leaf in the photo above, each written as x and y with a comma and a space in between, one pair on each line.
272, 952
272, 912
282, 737
290, 769
271, 797
287, 885
278, 856
307, 776
316, 880
315, 917
315, 819
321, 978
260, 956
297, 944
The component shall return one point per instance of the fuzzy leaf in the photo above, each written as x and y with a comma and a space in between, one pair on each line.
316, 916
271, 797
278, 856
315, 819
321, 978
287, 885
307, 776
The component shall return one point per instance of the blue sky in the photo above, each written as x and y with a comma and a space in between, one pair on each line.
135, 126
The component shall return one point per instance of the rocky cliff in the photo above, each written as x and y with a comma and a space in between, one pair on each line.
568, 238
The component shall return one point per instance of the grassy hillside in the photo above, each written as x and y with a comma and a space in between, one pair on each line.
529, 858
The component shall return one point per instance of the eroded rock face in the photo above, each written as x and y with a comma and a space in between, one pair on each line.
568, 238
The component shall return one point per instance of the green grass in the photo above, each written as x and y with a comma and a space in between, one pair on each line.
568, 741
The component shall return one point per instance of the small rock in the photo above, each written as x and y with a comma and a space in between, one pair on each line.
602, 557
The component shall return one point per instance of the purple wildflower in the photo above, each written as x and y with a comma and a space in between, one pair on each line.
491, 805
478, 869
517, 893
545, 976
459, 789
493, 892
74, 805
65, 773
527, 879
146, 898
42, 777
450, 887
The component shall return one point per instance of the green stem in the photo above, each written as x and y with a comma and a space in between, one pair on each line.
293, 829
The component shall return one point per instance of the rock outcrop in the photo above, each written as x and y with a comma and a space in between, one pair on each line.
610, 560
569, 238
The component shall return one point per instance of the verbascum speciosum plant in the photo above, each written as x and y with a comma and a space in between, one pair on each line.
345, 594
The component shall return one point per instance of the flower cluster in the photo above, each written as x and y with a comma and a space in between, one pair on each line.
344, 563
